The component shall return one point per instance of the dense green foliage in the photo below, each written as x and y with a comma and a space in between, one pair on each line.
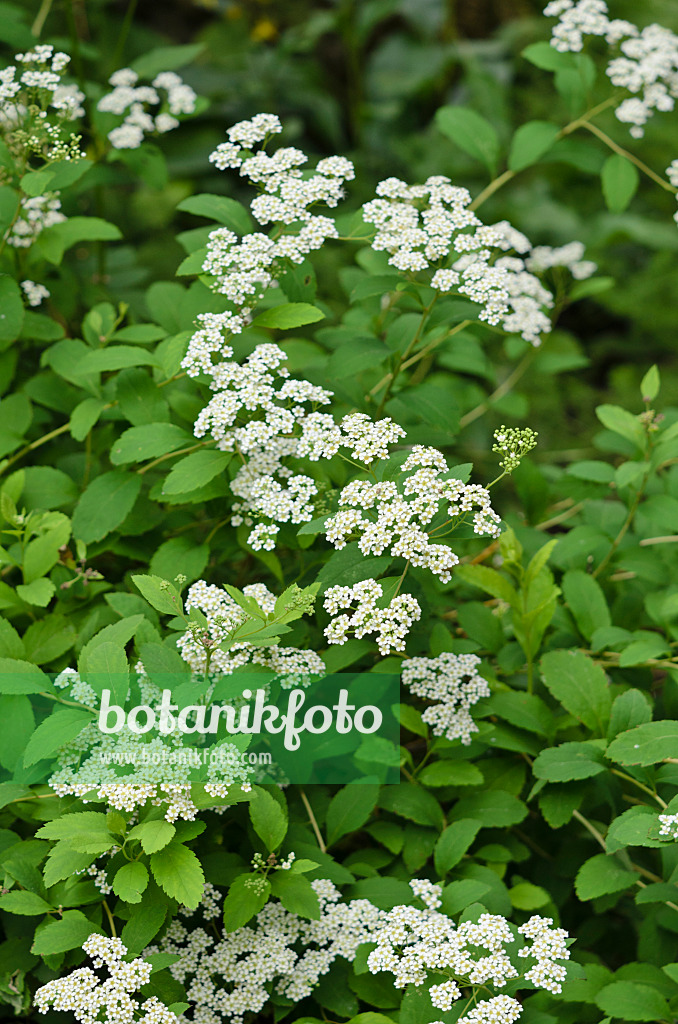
111, 507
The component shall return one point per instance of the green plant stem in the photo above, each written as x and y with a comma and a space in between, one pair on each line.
406, 363
109, 915
36, 444
640, 785
122, 38
41, 18
615, 147
590, 828
170, 455
623, 531
401, 358
314, 823
502, 390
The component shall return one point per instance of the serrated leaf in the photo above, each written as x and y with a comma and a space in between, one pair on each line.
179, 873
245, 898
349, 809
453, 843
60, 728
153, 835
160, 594
105, 504
630, 1001
579, 685
586, 600
28, 904
67, 933
268, 819
646, 744
296, 894
569, 761
130, 881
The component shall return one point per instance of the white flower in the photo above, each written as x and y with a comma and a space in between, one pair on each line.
452, 680
34, 293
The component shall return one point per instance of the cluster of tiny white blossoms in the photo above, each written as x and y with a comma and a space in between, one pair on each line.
167, 92
230, 978
242, 269
112, 1001
34, 293
669, 826
35, 214
513, 443
293, 667
390, 623
128, 770
453, 681
268, 419
647, 64
424, 226
398, 515
38, 83
412, 942
570, 257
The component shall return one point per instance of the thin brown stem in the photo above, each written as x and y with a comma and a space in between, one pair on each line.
314, 823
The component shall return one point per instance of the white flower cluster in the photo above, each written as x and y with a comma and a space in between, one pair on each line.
411, 943
36, 214
209, 906
453, 681
669, 826
647, 65
396, 516
244, 268
229, 978
263, 415
87, 997
133, 100
421, 225
570, 256
38, 81
390, 623
34, 293
293, 667
109, 766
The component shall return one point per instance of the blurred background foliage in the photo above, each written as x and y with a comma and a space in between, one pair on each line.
364, 78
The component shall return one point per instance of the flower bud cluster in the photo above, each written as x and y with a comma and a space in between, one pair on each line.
133, 100
513, 443
452, 680
35, 214
647, 64
112, 1000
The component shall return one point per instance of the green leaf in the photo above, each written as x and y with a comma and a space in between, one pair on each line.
70, 826
580, 685
105, 504
620, 181
130, 881
12, 307
18, 722
17, 676
195, 470
180, 555
289, 315
530, 143
457, 896
149, 441
470, 132
178, 872
602, 875
68, 933
107, 665
630, 1000
220, 208
166, 58
633, 828
546, 57
451, 773
26, 903
38, 592
145, 922
587, 602
526, 896
268, 819
384, 892
494, 808
160, 594
60, 728
628, 710
623, 423
245, 898
490, 580
649, 743
524, 710
153, 835
57, 175
649, 385
412, 802
349, 809
63, 862
569, 761
296, 894
454, 842
48, 639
